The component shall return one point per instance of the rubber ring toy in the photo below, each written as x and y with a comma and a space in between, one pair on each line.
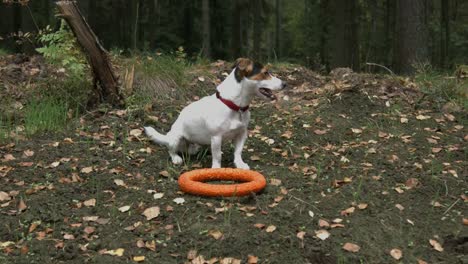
193, 182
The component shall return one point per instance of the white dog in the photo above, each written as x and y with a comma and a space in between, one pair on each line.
221, 116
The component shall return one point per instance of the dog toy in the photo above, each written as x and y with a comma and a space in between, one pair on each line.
193, 182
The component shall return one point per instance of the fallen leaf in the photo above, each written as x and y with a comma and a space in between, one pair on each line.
164, 173
436, 245
4, 197
412, 182
87, 170
362, 206
124, 209
396, 253
403, 120
192, 254
22, 205
151, 245
116, 252
348, 211
68, 237
8, 157
311, 214
151, 212
158, 195
436, 150
323, 223
465, 221
356, 130
216, 234
422, 117
270, 228
136, 132
251, 259
90, 202
28, 153
322, 234
301, 235
179, 200
420, 261
320, 132
400, 207
89, 230
119, 182
275, 182
139, 258
350, 247
259, 225
254, 158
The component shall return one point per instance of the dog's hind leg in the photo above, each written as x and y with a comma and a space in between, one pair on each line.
174, 145
239, 141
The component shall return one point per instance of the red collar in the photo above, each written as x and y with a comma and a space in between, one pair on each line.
231, 104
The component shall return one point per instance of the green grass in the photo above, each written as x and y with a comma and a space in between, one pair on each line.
45, 115
4, 52
442, 87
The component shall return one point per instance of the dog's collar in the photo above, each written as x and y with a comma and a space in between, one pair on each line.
231, 104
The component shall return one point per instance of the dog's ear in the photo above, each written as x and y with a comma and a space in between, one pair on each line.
243, 67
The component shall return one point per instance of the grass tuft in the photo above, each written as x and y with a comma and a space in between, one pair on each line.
47, 114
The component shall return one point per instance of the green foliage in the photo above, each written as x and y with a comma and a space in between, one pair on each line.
442, 87
45, 115
61, 49
4, 52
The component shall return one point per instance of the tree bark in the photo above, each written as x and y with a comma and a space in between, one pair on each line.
236, 30
206, 28
108, 88
278, 18
412, 39
345, 34
444, 33
257, 32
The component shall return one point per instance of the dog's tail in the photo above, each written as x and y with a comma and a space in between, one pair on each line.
156, 136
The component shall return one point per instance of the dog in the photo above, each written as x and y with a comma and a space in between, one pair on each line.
220, 117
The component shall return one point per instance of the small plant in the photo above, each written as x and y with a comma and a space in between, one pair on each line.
47, 114
60, 49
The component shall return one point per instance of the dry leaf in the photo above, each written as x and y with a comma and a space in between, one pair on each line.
139, 258
404, 120
251, 259
116, 252
362, 206
420, 261
68, 237
4, 197
311, 214
119, 182
348, 211
356, 130
216, 234
275, 182
136, 132
254, 158
87, 170
350, 247
90, 202
270, 228
22, 205
151, 245
400, 207
396, 253
436, 150
411, 183
320, 132
89, 230
322, 234
179, 200
422, 117
323, 223
151, 212
124, 209
436, 245
164, 173
465, 221
259, 225
192, 254
158, 195
301, 235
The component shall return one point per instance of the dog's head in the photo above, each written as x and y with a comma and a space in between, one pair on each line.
257, 77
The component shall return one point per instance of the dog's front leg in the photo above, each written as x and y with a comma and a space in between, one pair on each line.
216, 143
239, 146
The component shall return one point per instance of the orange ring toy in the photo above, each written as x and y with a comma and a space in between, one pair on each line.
193, 182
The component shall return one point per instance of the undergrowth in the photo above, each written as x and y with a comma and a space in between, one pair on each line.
45, 115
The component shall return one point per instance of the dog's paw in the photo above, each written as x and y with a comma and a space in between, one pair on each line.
242, 165
177, 160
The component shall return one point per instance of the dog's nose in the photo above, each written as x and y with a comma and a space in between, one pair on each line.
283, 85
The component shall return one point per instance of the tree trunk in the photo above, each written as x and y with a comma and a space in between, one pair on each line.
412, 39
206, 28
345, 34
108, 88
444, 33
236, 29
257, 25
278, 18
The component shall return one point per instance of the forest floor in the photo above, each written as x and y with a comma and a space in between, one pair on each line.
360, 169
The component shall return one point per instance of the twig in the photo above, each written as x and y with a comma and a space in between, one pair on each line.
448, 209
300, 200
375, 64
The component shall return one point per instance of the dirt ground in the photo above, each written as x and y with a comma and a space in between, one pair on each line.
360, 169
